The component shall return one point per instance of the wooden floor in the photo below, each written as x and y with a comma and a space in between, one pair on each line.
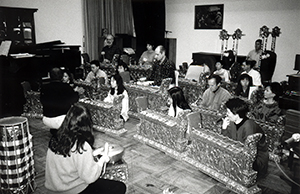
150, 170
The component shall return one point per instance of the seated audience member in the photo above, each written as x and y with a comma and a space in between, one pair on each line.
215, 95
109, 50
243, 86
70, 163
162, 67
117, 88
56, 98
256, 53
268, 109
68, 78
223, 73
247, 66
96, 73
177, 102
238, 127
148, 56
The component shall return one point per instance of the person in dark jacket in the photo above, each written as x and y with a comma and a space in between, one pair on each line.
57, 98
238, 127
162, 67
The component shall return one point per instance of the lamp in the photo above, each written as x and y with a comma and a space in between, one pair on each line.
297, 63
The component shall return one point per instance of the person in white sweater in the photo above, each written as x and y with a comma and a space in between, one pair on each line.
71, 166
117, 88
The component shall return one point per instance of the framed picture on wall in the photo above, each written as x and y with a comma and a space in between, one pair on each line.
209, 16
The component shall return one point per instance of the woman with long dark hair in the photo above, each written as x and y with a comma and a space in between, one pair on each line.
70, 164
243, 86
177, 101
118, 88
68, 78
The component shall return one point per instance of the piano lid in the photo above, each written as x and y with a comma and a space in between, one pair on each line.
45, 44
55, 45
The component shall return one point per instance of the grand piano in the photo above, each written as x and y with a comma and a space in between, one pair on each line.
32, 67
24, 60
40, 59
57, 54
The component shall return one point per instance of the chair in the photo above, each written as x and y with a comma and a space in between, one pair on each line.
142, 103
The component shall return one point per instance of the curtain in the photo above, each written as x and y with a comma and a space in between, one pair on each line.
114, 15
149, 23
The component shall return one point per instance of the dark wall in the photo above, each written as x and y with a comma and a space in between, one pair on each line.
149, 22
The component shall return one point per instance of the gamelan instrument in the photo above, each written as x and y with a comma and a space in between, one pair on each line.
17, 170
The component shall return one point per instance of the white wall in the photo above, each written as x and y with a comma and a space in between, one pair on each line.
249, 16
62, 20
54, 19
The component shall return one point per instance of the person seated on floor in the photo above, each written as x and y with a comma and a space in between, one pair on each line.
71, 166
243, 86
162, 67
268, 109
223, 73
56, 98
237, 126
96, 73
118, 88
110, 50
247, 66
177, 102
148, 56
215, 96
